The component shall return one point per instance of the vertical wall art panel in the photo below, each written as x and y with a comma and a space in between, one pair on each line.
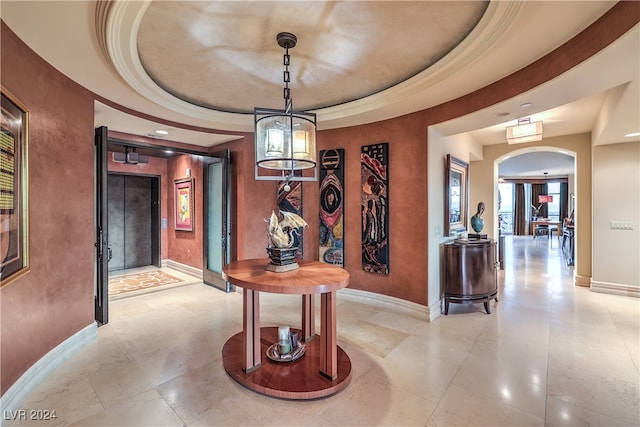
291, 201
332, 206
375, 208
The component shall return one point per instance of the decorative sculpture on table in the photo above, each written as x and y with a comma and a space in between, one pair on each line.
280, 236
290, 200
477, 223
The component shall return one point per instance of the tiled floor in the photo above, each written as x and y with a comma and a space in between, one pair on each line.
550, 354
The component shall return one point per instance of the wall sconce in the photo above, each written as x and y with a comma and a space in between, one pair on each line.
285, 140
524, 131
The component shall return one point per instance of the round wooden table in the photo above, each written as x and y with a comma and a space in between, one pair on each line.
325, 368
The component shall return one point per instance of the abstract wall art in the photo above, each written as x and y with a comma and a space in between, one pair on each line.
374, 160
184, 204
332, 207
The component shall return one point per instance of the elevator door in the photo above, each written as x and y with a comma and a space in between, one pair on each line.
133, 238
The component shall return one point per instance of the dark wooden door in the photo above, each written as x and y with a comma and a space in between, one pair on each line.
101, 296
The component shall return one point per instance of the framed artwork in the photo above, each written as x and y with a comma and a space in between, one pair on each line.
14, 189
374, 160
184, 204
332, 207
291, 201
456, 192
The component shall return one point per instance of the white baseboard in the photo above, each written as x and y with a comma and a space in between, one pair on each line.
39, 371
183, 268
411, 308
435, 310
615, 289
428, 314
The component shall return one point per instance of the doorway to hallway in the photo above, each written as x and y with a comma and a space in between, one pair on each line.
200, 252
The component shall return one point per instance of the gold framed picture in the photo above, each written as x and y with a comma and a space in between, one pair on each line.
184, 204
14, 189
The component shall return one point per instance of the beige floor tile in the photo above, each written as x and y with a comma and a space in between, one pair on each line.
119, 383
607, 391
227, 415
373, 400
372, 338
198, 391
461, 407
421, 376
550, 353
561, 413
61, 403
146, 409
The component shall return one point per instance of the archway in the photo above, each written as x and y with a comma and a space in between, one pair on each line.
537, 174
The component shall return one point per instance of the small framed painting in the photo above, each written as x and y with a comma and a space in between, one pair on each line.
184, 204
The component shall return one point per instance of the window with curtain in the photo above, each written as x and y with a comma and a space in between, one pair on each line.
525, 193
520, 210
553, 189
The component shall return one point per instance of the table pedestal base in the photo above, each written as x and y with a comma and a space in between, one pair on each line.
300, 379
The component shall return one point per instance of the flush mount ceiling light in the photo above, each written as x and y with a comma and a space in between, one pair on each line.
524, 131
130, 156
285, 140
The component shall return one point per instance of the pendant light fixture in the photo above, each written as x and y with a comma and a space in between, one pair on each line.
285, 140
524, 131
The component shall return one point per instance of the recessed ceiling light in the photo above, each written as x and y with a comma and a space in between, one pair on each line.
162, 132
526, 105
168, 151
631, 135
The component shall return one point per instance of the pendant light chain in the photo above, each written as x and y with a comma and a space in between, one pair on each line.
287, 78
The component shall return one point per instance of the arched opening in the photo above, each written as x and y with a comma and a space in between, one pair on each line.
527, 172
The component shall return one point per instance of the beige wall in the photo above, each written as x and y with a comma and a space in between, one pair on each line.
616, 197
484, 185
463, 148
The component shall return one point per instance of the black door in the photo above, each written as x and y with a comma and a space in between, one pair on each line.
101, 292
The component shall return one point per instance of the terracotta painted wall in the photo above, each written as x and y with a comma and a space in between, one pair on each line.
253, 201
185, 247
407, 205
54, 300
407, 187
157, 167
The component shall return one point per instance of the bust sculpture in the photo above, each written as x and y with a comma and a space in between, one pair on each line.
477, 223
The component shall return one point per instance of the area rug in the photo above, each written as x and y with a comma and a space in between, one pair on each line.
140, 281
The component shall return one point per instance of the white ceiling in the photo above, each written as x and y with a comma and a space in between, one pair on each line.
356, 62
